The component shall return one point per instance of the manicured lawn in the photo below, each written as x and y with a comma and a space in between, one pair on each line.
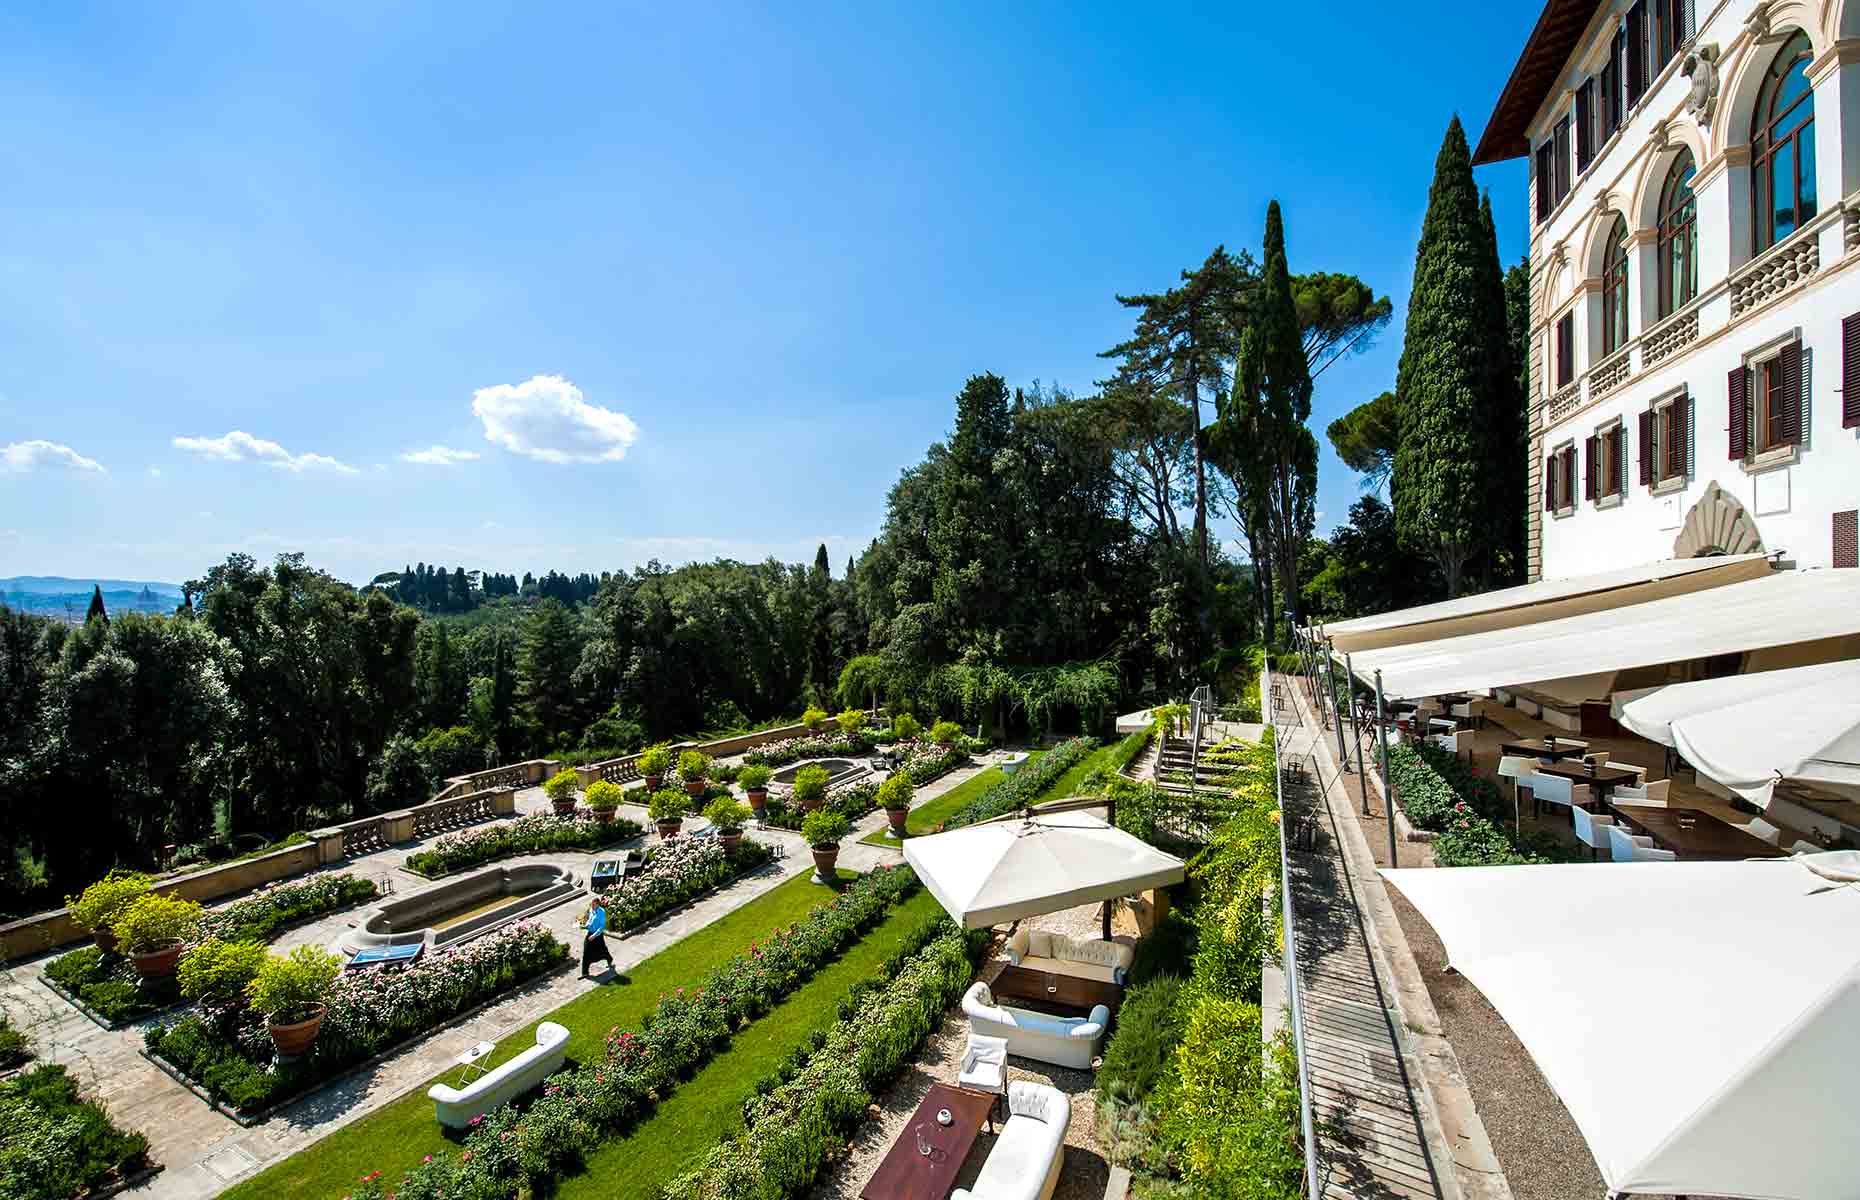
394, 1137
1065, 785
926, 817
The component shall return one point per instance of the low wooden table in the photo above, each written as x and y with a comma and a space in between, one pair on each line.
907, 1174
1069, 995
1535, 748
1705, 837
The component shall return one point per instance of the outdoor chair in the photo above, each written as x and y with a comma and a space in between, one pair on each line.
1464, 712
1516, 768
1654, 795
1639, 771
984, 1068
1551, 789
1759, 828
1592, 831
1026, 1160
1624, 846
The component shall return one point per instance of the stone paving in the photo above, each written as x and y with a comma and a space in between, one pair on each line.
202, 1151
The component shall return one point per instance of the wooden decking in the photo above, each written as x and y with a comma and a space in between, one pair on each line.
1370, 1133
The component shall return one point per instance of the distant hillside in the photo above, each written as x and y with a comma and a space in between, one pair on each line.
68, 599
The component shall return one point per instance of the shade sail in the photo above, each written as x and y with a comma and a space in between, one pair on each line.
1749, 732
1005, 870
1698, 1020
1780, 609
1545, 600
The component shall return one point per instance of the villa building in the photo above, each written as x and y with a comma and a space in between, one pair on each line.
1695, 302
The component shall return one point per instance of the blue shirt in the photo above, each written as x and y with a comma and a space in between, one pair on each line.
597, 921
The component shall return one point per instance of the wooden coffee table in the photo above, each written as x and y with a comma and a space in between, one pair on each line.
1070, 995
908, 1174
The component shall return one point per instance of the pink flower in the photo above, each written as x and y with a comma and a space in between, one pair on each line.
427, 1159
466, 1157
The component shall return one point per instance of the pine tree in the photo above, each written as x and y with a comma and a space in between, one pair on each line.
96, 612
551, 652
1445, 383
503, 701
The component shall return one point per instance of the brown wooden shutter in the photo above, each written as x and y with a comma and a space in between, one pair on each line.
1850, 372
1550, 484
1611, 89
1676, 457
1543, 182
1636, 52
1619, 464
1647, 449
1569, 477
1737, 390
1591, 483
1792, 394
1847, 538
1585, 125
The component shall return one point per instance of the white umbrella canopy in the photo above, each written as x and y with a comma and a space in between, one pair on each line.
1749, 732
1697, 1019
1023, 867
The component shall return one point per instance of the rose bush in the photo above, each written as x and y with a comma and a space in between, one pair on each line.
677, 871
532, 834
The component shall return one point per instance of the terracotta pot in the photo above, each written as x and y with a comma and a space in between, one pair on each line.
825, 859
604, 815
669, 829
104, 937
653, 782
295, 1038
154, 964
564, 808
758, 800
808, 806
731, 839
897, 817
695, 787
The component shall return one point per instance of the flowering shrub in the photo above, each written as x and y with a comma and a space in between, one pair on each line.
924, 761
851, 801
1466, 837
270, 909
1024, 786
820, 745
525, 835
676, 871
228, 1051
507, 1152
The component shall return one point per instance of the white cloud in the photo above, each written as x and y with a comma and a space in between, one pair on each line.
25, 456
439, 456
238, 446
547, 419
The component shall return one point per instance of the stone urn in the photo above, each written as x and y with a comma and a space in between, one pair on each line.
296, 1037
105, 938
159, 962
564, 807
669, 829
653, 782
731, 839
897, 817
826, 860
758, 801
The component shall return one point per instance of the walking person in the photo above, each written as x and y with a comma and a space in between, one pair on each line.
594, 946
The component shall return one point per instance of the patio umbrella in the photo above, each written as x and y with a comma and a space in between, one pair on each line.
1026, 866
1750, 732
1697, 1019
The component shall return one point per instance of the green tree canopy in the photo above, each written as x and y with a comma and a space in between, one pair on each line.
1366, 437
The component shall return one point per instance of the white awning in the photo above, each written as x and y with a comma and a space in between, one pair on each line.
1545, 600
1781, 609
1749, 732
1005, 870
1696, 1019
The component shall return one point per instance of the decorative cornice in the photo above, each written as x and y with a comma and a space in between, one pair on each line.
1843, 53
1757, 21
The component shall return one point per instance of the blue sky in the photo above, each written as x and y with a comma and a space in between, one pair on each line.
687, 280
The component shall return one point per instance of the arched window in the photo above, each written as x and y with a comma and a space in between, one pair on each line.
1679, 238
1615, 290
1782, 147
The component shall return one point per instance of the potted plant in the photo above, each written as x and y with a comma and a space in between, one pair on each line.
755, 781
103, 901
904, 727
823, 830
603, 798
216, 972
810, 787
814, 718
152, 931
895, 795
945, 733
290, 991
693, 766
560, 789
653, 763
667, 809
851, 721
727, 814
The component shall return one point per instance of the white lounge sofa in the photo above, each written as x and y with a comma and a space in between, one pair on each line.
1039, 950
1025, 1161
1063, 1041
456, 1107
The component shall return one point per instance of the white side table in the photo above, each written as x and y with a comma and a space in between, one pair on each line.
984, 1069
472, 1060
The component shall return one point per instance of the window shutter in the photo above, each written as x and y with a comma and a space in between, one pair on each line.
1591, 482
1689, 21
1568, 496
1611, 88
1737, 391
1585, 127
1543, 181
1636, 52
1850, 372
1646, 449
1847, 538
1792, 393
1679, 453
1550, 484
1620, 463
1559, 141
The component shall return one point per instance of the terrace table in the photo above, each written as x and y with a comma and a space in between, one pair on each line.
1604, 781
908, 1174
1701, 836
1052, 991
1535, 748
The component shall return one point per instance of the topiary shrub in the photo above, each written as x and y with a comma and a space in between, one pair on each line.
693, 765
810, 786
727, 813
103, 901
894, 795
851, 721
905, 727
945, 733
603, 796
814, 718
155, 921
288, 988
562, 786
754, 777
217, 972
667, 805
654, 761
823, 827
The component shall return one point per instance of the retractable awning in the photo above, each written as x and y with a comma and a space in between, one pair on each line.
1545, 600
1750, 732
1784, 608
1697, 1019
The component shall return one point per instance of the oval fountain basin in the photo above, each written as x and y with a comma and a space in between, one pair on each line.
461, 909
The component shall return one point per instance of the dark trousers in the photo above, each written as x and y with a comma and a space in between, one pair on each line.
593, 948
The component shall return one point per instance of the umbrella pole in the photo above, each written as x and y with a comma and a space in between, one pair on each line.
1107, 919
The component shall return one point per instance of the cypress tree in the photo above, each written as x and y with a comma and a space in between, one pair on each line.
1443, 465
96, 612
1505, 554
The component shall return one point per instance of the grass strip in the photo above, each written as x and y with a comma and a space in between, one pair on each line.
399, 1133
927, 816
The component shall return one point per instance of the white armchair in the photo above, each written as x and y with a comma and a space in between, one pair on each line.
1627, 847
1041, 950
1592, 831
1654, 795
984, 1068
1026, 1159
1063, 1041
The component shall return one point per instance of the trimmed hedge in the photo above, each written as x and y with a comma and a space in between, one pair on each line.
532, 834
110, 985
1025, 786
55, 1145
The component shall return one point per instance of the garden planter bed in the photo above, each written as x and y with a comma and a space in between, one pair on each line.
537, 833
58, 1145
678, 873
164, 997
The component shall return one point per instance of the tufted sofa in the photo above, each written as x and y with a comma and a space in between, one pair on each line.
1026, 1159
1063, 1041
455, 1107
1038, 950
